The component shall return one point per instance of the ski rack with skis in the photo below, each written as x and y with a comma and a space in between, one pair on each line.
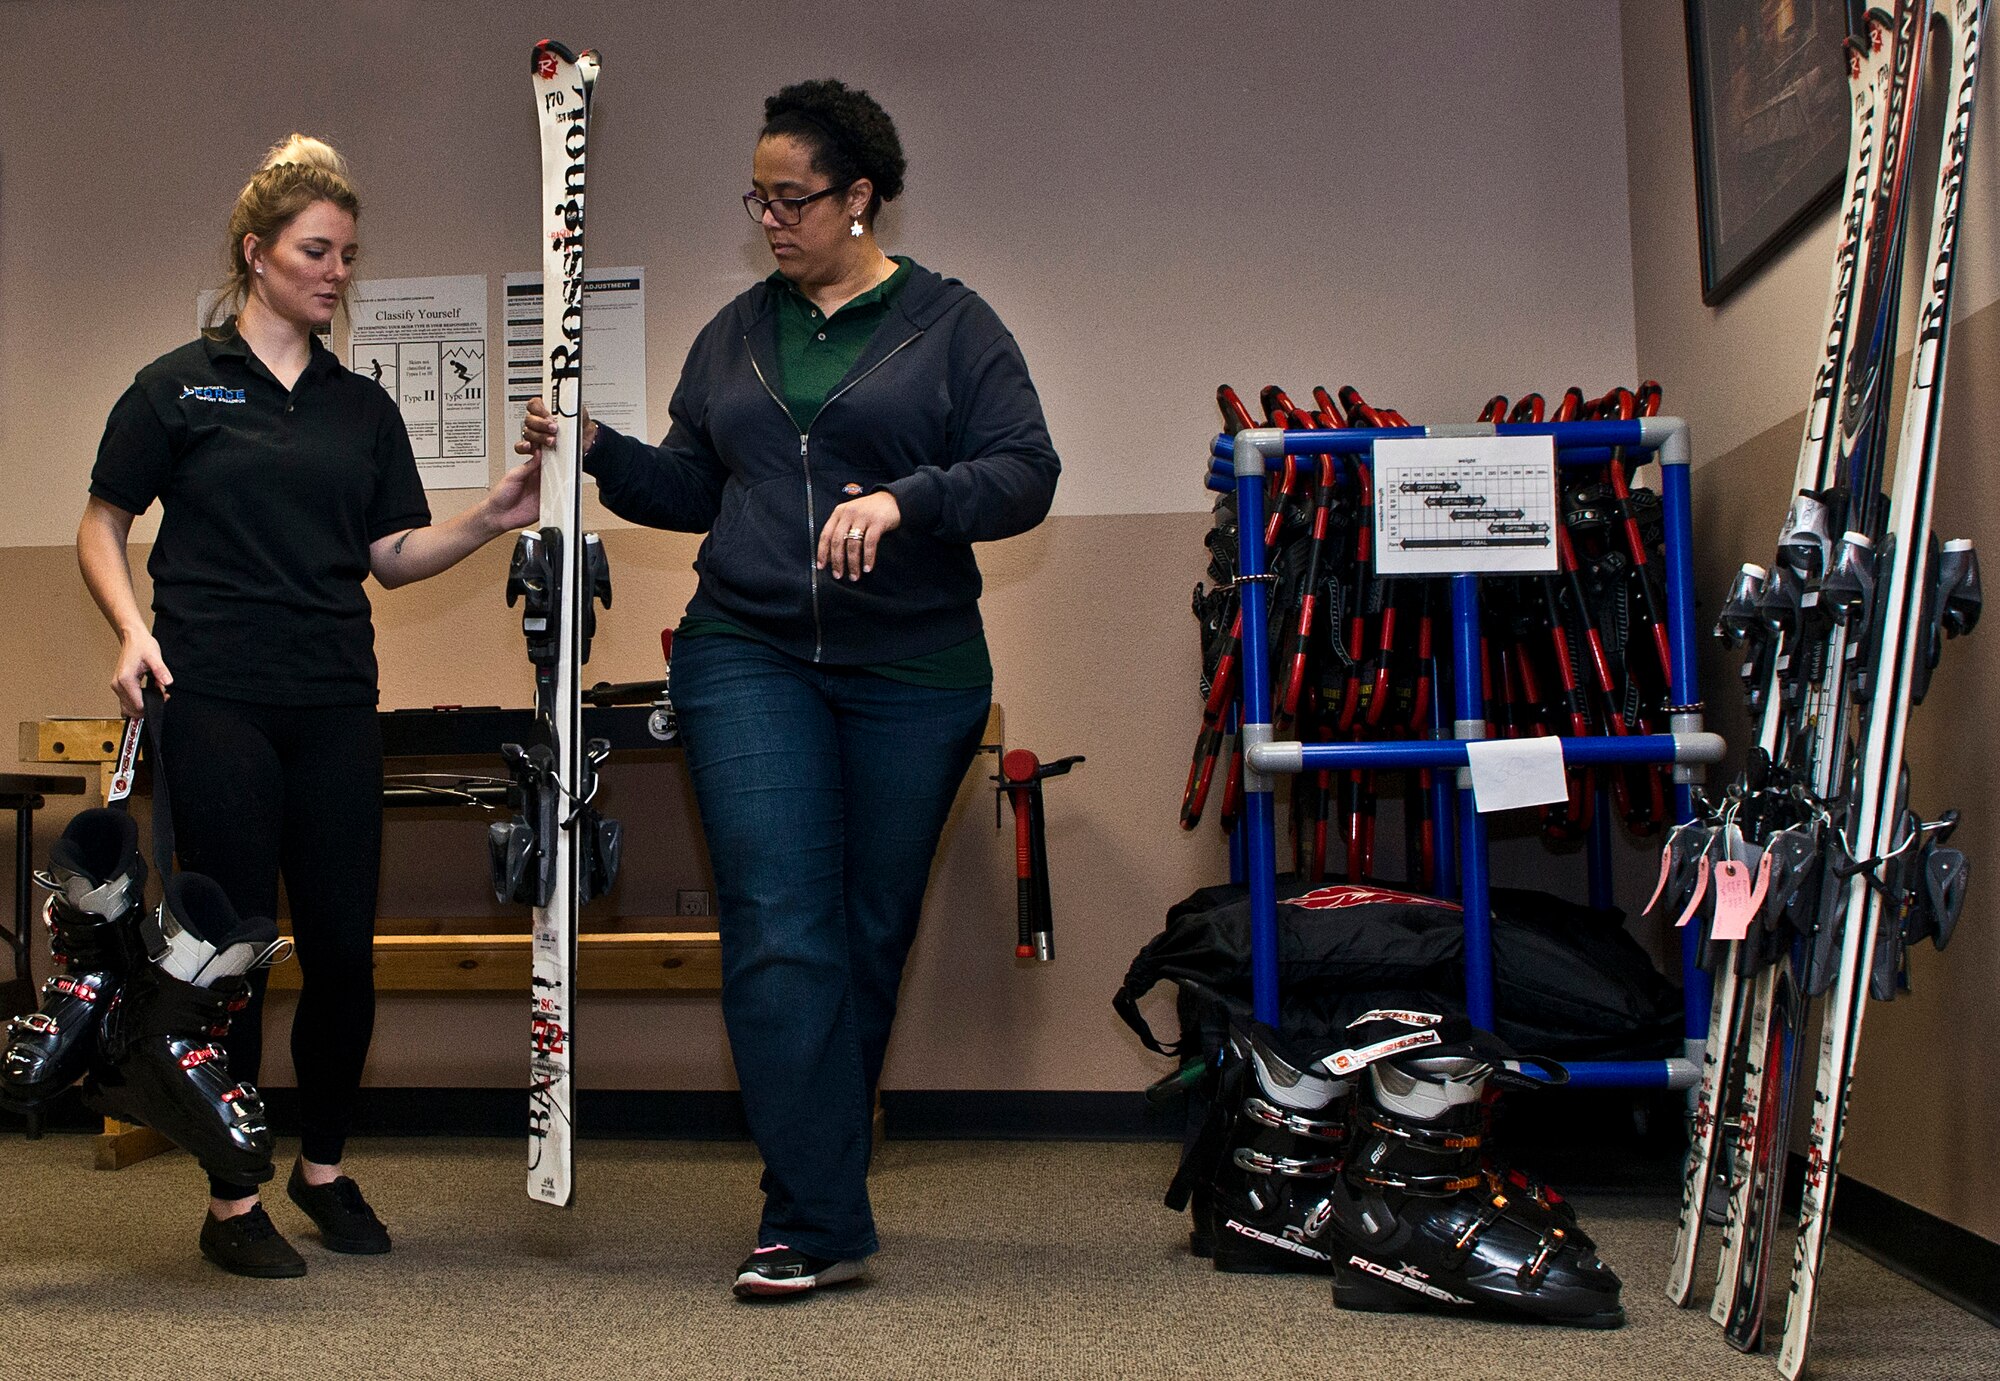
1240, 462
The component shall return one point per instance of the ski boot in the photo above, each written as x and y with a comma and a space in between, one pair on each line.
1269, 1191
161, 1064
1419, 1222
96, 881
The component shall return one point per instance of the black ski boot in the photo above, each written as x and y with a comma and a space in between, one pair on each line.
96, 881
162, 1066
1278, 1128
1419, 1223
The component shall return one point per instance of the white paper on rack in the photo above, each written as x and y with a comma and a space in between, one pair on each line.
1447, 505
1514, 772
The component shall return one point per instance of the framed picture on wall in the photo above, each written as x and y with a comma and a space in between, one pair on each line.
1768, 83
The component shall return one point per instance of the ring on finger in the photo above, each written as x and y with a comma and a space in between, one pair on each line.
855, 534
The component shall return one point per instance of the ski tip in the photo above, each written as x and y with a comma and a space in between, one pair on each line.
548, 53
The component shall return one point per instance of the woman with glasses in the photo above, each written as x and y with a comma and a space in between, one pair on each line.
843, 431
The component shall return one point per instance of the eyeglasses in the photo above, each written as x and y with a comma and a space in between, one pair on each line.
786, 210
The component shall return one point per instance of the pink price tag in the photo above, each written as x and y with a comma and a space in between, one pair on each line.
1735, 904
1666, 867
1700, 891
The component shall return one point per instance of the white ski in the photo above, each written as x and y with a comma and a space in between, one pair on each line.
1901, 578
556, 860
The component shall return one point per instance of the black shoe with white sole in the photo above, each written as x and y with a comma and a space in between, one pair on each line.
776, 1271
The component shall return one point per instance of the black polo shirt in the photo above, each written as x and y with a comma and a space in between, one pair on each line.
269, 501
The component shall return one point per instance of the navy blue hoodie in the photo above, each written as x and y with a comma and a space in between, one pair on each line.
938, 410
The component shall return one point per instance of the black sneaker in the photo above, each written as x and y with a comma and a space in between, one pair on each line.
248, 1244
346, 1223
779, 1270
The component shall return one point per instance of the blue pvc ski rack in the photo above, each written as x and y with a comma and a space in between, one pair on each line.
1240, 461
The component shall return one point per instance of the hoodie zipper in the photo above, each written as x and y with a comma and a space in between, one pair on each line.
805, 463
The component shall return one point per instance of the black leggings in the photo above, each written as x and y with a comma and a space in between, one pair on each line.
258, 790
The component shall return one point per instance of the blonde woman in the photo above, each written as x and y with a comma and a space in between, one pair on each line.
284, 481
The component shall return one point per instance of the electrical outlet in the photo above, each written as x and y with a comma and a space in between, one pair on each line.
691, 901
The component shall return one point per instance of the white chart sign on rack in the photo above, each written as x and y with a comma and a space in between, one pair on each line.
1450, 505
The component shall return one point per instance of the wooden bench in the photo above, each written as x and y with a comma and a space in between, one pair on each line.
417, 957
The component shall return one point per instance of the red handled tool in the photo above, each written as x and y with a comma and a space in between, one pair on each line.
1021, 774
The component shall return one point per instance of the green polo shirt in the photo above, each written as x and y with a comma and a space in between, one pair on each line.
815, 351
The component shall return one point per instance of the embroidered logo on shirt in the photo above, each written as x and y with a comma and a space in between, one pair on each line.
211, 394
850, 489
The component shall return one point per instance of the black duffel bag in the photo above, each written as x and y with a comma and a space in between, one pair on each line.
1569, 982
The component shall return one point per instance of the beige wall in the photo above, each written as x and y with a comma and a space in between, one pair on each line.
1926, 1107
1438, 212
1430, 206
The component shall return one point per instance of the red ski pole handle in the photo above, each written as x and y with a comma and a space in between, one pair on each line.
1359, 414
1357, 624
1235, 417
1600, 666
1575, 704
1224, 684
1201, 774
1275, 404
1622, 404
1378, 694
1350, 695
1293, 657
1274, 522
1420, 704
1331, 416
1599, 663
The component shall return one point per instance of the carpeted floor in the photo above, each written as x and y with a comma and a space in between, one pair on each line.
1010, 1260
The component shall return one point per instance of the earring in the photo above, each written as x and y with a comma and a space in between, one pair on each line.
855, 229
260, 270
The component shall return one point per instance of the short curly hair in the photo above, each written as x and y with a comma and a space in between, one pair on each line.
848, 132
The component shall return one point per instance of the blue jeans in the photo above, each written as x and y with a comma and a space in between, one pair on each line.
823, 792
